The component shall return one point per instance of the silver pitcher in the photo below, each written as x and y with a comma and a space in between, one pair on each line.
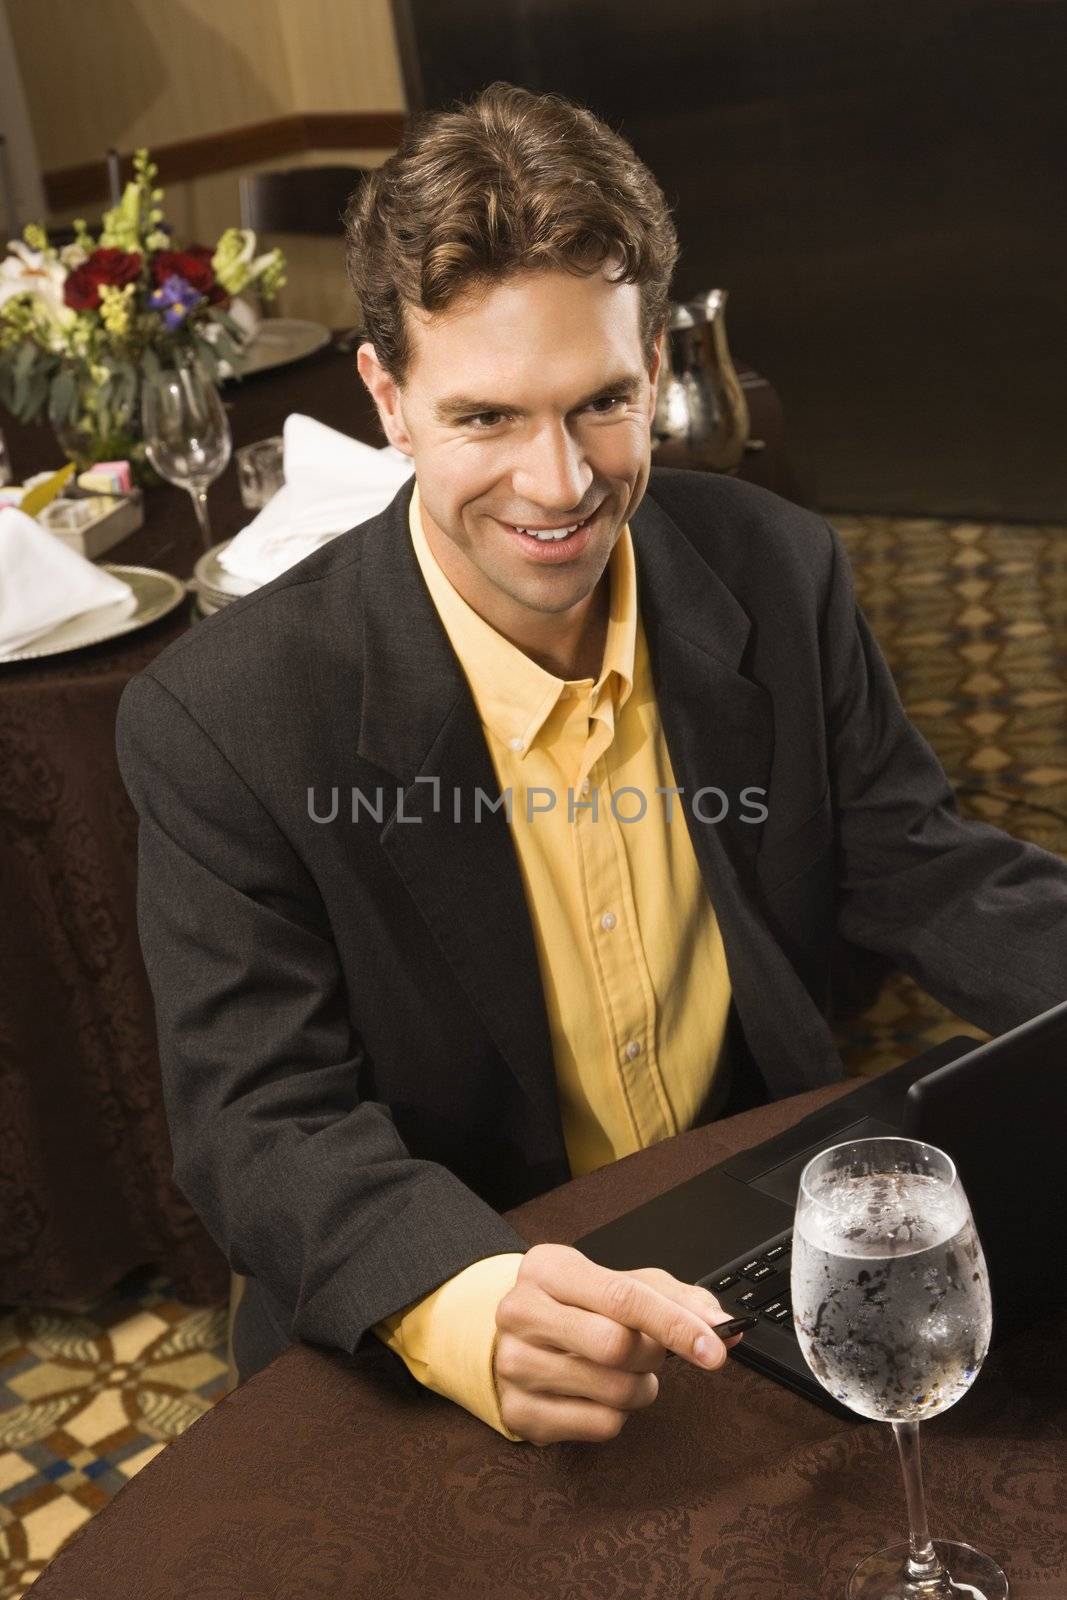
701, 417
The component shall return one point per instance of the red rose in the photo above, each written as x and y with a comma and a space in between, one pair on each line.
82, 289
194, 265
115, 266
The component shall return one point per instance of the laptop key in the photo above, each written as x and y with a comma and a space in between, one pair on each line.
776, 1287
723, 1283
776, 1252
785, 1314
757, 1275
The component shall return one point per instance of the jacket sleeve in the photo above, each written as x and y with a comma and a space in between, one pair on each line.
976, 917
300, 1183
447, 1340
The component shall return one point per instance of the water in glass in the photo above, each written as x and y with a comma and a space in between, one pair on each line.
892, 1308
891, 1295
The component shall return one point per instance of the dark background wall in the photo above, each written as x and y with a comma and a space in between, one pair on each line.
880, 185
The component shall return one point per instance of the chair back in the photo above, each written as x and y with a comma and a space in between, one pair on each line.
299, 199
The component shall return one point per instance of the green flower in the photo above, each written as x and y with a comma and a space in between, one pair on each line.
115, 308
272, 275
237, 267
126, 225
232, 257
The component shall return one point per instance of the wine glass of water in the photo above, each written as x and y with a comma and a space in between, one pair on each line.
892, 1308
186, 430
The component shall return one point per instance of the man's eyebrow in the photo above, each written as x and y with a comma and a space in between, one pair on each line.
454, 406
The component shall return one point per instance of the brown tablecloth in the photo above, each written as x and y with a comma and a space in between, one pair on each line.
329, 1475
85, 1162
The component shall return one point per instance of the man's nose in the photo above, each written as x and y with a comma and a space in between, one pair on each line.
551, 472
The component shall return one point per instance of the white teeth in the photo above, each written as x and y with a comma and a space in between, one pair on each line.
549, 535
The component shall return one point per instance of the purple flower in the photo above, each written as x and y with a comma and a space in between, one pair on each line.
175, 298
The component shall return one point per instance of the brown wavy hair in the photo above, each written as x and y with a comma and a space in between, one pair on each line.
508, 182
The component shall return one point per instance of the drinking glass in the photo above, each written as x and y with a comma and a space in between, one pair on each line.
186, 430
892, 1309
260, 471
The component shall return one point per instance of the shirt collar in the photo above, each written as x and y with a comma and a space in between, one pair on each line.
513, 695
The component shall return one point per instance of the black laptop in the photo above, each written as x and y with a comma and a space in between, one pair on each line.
999, 1109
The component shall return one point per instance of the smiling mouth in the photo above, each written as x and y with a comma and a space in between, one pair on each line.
552, 535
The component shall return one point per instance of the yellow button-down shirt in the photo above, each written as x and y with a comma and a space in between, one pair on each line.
629, 950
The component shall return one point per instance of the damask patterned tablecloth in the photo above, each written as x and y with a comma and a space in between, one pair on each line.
335, 1475
85, 1164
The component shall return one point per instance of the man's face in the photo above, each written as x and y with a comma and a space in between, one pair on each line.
526, 406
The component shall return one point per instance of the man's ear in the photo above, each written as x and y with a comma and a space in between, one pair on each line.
654, 370
386, 397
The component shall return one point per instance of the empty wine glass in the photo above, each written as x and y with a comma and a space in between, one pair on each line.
186, 431
892, 1309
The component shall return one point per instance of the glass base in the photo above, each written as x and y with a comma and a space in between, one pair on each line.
972, 1576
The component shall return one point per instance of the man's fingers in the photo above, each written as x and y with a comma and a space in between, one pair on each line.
698, 1299
533, 1315
579, 1286
558, 1373
546, 1419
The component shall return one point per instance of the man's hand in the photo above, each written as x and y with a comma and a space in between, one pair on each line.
579, 1346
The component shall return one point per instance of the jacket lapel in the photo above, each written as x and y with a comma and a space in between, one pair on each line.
719, 724
419, 722
719, 727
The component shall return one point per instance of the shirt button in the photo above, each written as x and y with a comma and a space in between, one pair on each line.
633, 1050
608, 920
515, 744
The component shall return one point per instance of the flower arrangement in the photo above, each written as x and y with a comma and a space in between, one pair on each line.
81, 324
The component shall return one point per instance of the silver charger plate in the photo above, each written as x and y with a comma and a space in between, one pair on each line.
155, 594
278, 341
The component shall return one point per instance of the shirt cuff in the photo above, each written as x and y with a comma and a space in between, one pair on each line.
447, 1340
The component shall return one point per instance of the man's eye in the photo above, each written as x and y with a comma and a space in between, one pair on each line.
489, 419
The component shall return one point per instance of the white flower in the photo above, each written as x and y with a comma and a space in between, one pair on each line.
27, 271
72, 255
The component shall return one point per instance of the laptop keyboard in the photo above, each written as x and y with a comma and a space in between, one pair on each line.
759, 1283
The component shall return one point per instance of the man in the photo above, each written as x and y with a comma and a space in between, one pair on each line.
415, 958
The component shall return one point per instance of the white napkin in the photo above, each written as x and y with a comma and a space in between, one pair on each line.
247, 319
332, 483
245, 315
43, 582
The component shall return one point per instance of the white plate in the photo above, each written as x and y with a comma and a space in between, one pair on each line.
155, 594
279, 340
214, 583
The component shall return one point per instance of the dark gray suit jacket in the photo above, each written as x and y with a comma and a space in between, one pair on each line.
355, 1051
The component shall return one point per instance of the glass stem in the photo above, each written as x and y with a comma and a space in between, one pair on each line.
924, 1567
200, 504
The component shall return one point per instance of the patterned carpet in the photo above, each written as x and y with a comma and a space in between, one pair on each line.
973, 620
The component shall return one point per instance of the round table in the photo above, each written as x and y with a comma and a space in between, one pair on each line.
86, 1194
329, 1474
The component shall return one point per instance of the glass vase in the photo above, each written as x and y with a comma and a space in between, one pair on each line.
104, 424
